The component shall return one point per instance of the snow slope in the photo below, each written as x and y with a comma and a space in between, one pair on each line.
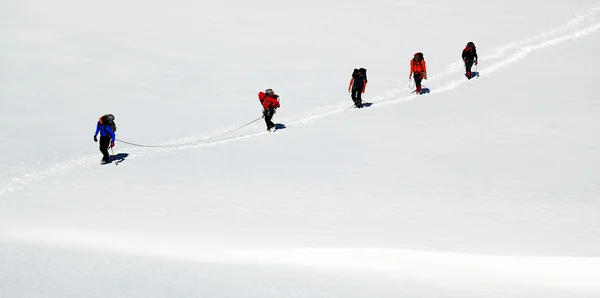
481, 188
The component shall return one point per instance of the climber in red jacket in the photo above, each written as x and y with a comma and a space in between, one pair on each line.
270, 102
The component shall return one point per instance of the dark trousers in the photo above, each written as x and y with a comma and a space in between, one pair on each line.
104, 143
356, 93
418, 79
468, 66
268, 115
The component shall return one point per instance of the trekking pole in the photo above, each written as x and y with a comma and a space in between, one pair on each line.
113, 153
476, 69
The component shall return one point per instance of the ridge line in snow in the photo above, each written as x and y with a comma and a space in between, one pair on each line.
550, 271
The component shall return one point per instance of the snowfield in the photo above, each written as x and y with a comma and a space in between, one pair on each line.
487, 187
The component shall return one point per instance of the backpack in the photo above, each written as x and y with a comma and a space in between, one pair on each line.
109, 119
472, 46
363, 71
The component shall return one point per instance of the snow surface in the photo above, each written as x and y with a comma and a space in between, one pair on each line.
482, 188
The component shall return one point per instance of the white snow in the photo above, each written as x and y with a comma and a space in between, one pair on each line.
481, 188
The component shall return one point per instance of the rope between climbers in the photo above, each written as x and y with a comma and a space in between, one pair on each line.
189, 143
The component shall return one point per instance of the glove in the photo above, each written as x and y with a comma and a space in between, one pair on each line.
112, 144
475, 62
95, 139
424, 76
409, 77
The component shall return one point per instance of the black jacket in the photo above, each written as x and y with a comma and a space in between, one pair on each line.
470, 55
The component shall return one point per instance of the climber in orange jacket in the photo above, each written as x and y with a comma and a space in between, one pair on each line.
418, 67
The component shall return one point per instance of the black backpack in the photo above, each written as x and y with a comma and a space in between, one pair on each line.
472, 46
109, 119
362, 71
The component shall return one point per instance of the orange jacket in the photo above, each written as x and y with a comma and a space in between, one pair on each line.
418, 67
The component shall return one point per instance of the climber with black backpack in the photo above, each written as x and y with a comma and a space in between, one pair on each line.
106, 127
469, 56
358, 85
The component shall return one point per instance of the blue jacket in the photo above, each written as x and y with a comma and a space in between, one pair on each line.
105, 131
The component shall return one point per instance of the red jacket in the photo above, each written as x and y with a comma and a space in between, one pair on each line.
268, 101
418, 67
